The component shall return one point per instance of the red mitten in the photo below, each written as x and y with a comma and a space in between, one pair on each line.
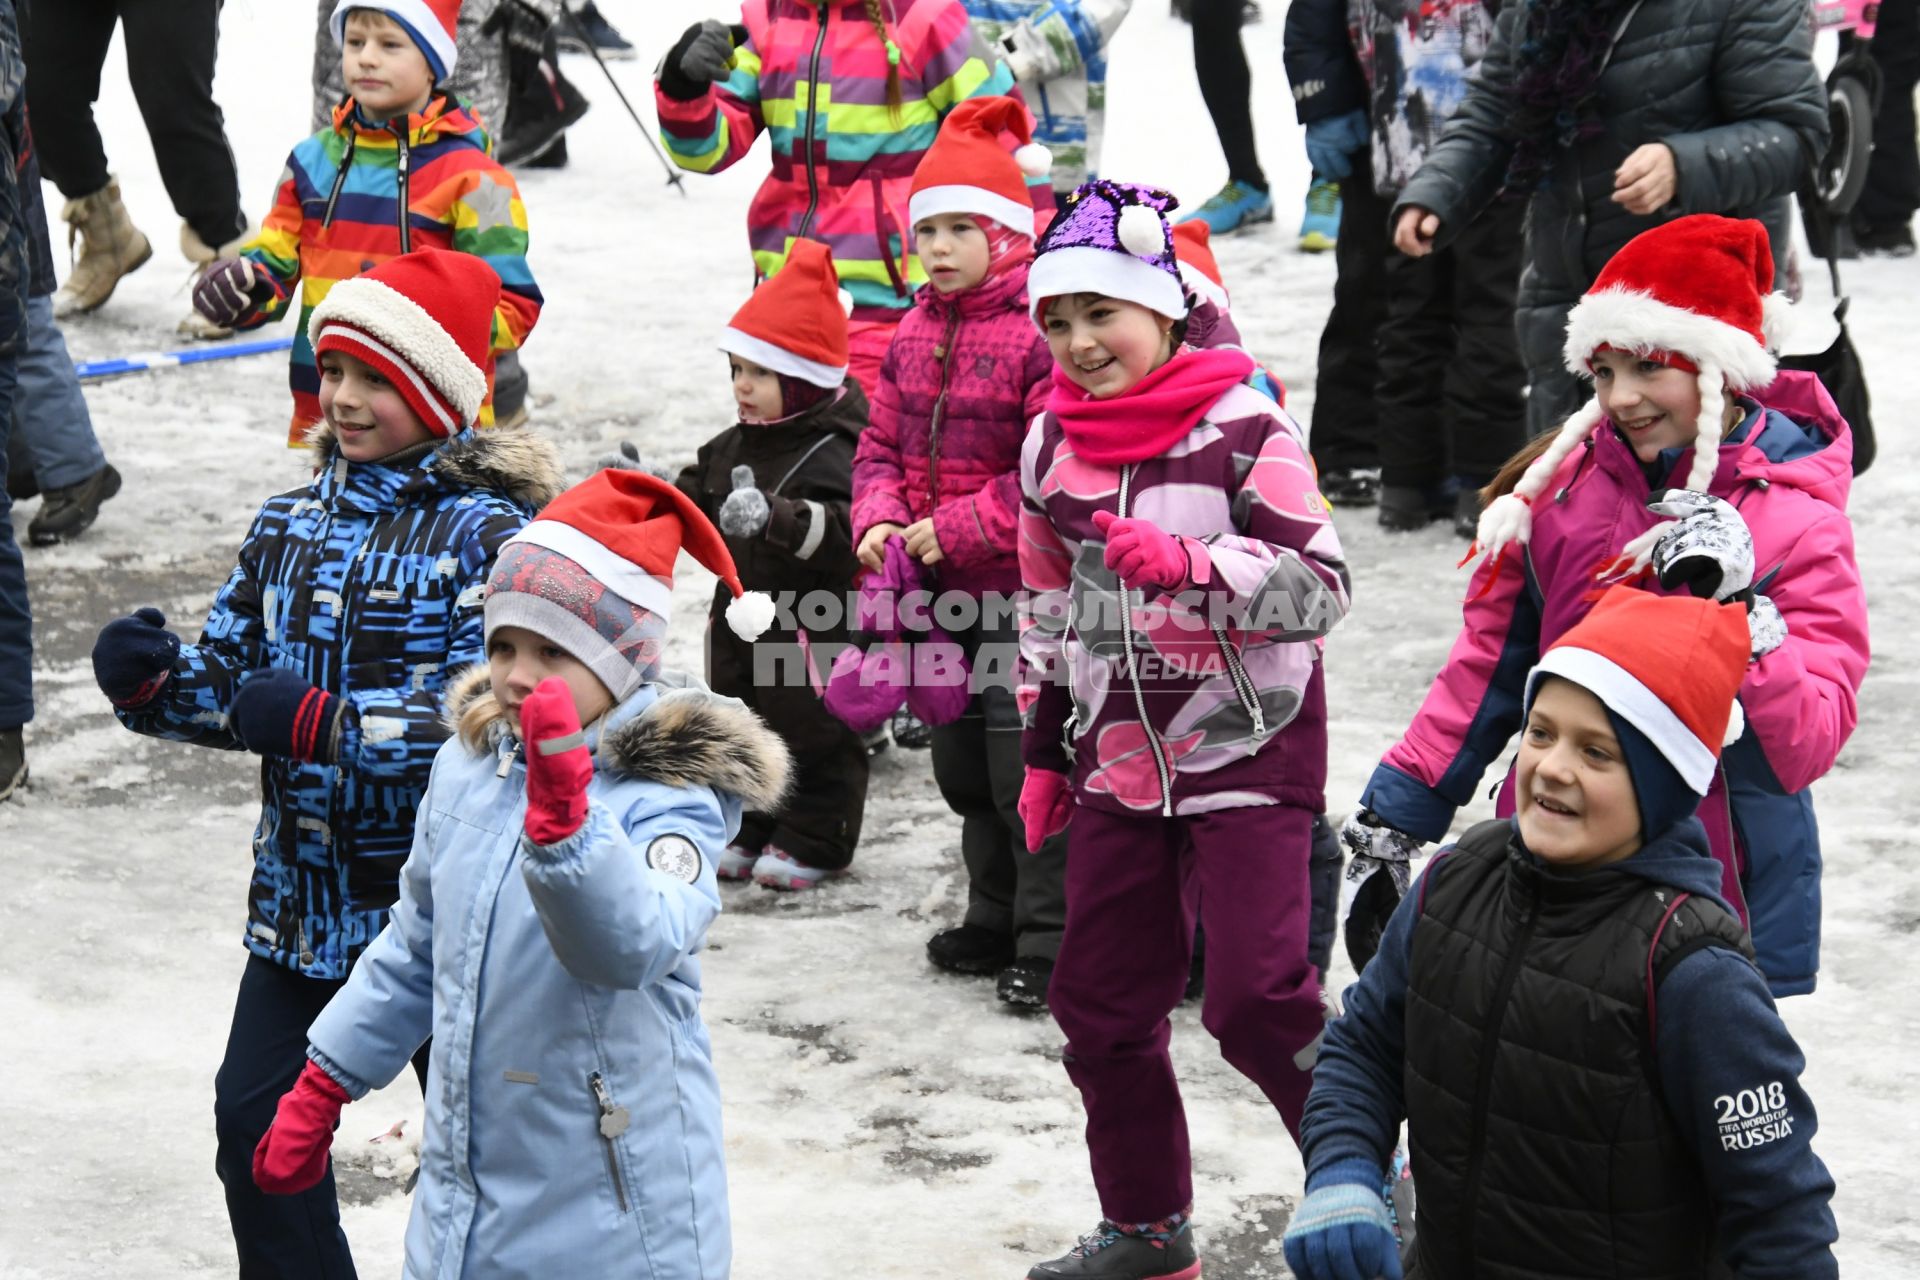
1045, 803
559, 766
292, 1156
1141, 553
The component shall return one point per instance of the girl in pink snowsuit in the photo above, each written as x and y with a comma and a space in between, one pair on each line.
1181, 567
1674, 333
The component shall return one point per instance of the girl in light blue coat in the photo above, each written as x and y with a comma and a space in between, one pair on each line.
561, 883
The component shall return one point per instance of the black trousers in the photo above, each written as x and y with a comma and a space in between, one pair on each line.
1893, 176
1345, 418
278, 1237
1226, 85
1452, 388
170, 55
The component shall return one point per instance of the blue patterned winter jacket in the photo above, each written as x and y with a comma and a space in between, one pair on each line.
368, 582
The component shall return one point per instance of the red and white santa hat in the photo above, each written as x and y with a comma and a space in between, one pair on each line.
968, 169
1193, 250
796, 322
1671, 666
430, 22
425, 321
1696, 293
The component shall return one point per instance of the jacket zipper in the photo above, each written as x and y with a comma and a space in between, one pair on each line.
813, 99
945, 352
1133, 668
613, 1123
1489, 1043
400, 161
1242, 688
340, 178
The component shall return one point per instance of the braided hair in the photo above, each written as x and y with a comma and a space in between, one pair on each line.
893, 60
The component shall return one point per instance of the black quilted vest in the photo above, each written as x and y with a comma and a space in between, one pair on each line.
1539, 1139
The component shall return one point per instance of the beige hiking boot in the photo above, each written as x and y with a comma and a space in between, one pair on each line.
203, 255
108, 247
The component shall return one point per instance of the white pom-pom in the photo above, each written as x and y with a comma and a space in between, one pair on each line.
1778, 320
1034, 160
1736, 725
749, 614
1141, 232
1506, 519
846, 303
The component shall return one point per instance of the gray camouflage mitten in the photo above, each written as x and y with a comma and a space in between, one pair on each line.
745, 512
1766, 626
1377, 878
1708, 550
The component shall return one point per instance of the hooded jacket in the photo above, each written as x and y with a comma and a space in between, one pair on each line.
965, 375
356, 194
573, 1114
368, 581
1787, 469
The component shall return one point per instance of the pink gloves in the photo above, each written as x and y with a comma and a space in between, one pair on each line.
1045, 803
559, 766
1142, 553
292, 1155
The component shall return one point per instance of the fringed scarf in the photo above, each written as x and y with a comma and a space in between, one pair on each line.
1562, 47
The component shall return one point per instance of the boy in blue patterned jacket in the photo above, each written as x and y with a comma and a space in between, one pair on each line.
326, 652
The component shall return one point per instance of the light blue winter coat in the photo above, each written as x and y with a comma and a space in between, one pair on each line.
562, 991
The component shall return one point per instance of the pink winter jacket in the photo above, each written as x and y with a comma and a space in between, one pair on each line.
964, 376
1788, 473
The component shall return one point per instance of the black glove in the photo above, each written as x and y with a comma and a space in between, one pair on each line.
133, 657
703, 55
1708, 550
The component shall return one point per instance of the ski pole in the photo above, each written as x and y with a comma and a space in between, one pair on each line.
673, 174
142, 361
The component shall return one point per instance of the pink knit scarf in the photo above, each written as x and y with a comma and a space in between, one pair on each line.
1151, 416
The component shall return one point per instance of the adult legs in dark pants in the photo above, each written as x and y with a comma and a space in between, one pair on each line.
1226, 85
1345, 420
16, 619
1882, 220
278, 1237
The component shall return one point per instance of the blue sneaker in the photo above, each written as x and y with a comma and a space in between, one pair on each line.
1320, 224
1234, 206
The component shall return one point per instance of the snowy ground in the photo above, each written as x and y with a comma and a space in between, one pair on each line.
882, 1120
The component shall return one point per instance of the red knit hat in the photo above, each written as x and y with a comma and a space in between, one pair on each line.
796, 322
425, 321
1670, 666
1192, 249
430, 22
969, 170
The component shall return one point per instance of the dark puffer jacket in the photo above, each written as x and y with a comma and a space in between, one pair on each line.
1729, 85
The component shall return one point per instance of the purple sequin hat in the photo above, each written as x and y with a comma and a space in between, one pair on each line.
1112, 239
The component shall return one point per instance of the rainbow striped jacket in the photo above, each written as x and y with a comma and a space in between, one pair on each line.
337, 213
813, 75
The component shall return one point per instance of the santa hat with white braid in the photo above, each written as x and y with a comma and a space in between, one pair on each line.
1695, 293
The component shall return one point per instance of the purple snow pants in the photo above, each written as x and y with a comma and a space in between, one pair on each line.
1123, 968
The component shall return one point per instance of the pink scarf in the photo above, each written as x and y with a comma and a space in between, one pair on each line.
1151, 416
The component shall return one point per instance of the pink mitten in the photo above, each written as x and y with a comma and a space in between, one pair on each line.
1045, 803
1143, 554
559, 766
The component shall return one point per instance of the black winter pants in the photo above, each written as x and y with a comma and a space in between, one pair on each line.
1452, 389
1893, 176
278, 1237
1220, 63
1345, 418
170, 55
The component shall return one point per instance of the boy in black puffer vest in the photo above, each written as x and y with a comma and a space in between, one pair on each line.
1594, 1078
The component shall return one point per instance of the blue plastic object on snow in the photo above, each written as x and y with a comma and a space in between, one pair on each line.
142, 361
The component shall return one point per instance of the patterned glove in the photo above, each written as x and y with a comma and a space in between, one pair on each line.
278, 713
1332, 144
1709, 550
1765, 625
703, 54
292, 1155
1377, 878
1341, 1231
559, 766
229, 289
1045, 804
745, 511
1142, 553
627, 458
133, 656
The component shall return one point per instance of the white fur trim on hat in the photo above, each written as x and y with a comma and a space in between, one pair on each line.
1015, 215
415, 336
1626, 697
1630, 320
608, 567
1084, 269
415, 13
430, 396
780, 360
1198, 281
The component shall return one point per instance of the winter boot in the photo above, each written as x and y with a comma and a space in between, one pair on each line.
971, 948
910, 731
65, 513
13, 761
203, 255
1405, 507
1234, 206
736, 863
1320, 224
586, 31
109, 246
1023, 984
778, 869
1350, 486
1161, 1250
1466, 512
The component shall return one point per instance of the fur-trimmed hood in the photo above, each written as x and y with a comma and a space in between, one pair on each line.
685, 735
508, 460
